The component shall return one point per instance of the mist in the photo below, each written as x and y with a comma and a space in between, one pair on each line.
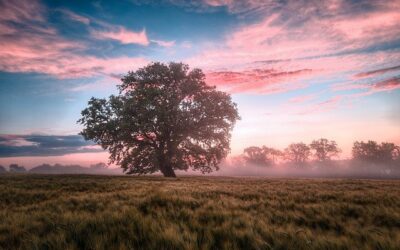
339, 169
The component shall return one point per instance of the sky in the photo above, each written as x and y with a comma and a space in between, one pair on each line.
298, 70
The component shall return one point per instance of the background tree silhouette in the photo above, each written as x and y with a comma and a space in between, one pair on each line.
262, 156
372, 152
165, 118
2, 170
15, 168
297, 153
324, 149
273, 154
256, 156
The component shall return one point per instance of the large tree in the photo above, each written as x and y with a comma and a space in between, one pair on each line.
165, 118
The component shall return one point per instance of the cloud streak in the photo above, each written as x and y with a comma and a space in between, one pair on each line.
123, 36
44, 145
377, 72
263, 80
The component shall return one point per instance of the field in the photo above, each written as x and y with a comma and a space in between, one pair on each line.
122, 212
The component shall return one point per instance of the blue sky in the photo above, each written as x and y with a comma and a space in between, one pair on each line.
298, 70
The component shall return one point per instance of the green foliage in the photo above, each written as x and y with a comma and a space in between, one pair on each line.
165, 118
122, 212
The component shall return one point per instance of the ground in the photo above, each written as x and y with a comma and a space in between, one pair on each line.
123, 212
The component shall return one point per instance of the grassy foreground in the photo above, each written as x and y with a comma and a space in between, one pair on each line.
104, 212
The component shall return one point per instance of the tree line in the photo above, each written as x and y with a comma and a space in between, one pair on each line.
323, 151
100, 167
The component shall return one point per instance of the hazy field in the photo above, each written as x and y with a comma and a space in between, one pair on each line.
101, 212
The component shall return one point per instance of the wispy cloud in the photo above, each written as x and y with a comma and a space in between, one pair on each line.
164, 43
302, 98
262, 80
318, 107
123, 35
75, 17
377, 72
330, 38
389, 84
29, 44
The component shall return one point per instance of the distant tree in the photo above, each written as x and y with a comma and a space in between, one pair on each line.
262, 156
256, 156
324, 149
297, 153
366, 151
2, 170
388, 152
99, 166
165, 118
372, 152
14, 168
272, 154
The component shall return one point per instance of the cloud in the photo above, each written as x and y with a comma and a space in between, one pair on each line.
164, 43
21, 10
387, 85
75, 17
44, 145
302, 98
123, 35
319, 107
331, 38
262, 80
377, 72
30, 44
367, 89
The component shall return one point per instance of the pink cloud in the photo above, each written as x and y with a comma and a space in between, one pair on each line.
387, 85
41, 49
324, 106
123, 35
164, 43
75, 17
254, 80
302, 98
21, 10
296, 36
349, 86
377, 72
370, 88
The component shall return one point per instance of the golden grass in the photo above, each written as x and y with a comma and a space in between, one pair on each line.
121, 212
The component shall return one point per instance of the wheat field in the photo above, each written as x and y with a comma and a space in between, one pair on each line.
124, 212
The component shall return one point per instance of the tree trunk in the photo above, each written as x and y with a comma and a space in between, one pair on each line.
169, 172
166, 168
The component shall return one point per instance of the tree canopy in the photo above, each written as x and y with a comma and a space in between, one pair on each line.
262, 156
297, 153
371, 151
324, 149
165, 118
